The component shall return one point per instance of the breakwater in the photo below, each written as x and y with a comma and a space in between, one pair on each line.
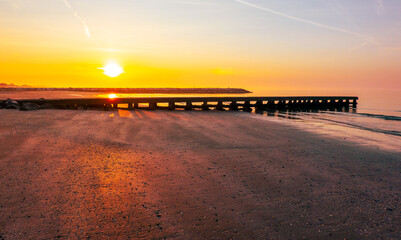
187, 103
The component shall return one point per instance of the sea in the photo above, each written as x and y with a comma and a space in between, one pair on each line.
376, 122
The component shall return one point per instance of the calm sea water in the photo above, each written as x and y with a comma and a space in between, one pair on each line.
376, 121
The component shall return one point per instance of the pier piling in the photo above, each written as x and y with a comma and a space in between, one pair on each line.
205, 107
233, 105
171, 105
219, 106
188, 105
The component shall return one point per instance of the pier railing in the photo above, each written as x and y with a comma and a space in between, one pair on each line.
201, 103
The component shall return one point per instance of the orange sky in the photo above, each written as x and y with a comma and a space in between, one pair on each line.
200, 44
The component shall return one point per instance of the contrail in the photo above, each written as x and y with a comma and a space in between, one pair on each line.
67, 3
380, 8
360, 45
367, 39
86, 28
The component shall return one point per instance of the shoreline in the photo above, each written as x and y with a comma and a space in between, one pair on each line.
361, 136
191, 175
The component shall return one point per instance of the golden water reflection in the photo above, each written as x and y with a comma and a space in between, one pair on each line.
125, 113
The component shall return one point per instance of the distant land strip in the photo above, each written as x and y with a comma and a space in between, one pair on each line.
136, 90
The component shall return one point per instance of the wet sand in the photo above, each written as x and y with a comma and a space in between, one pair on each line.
188, 175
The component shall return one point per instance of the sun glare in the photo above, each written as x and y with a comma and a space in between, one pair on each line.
112, 70
112, 95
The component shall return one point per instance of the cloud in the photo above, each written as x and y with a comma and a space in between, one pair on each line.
86, 28
368, 39
11, 85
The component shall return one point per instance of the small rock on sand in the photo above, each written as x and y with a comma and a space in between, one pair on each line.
28, 106
11, 104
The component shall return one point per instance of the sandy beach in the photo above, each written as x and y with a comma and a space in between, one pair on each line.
188, 175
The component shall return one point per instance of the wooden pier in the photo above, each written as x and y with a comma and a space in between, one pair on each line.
199, 103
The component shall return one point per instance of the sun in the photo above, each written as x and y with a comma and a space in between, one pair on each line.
112, 70
112, 96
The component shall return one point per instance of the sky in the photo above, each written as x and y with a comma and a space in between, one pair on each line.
254, 44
